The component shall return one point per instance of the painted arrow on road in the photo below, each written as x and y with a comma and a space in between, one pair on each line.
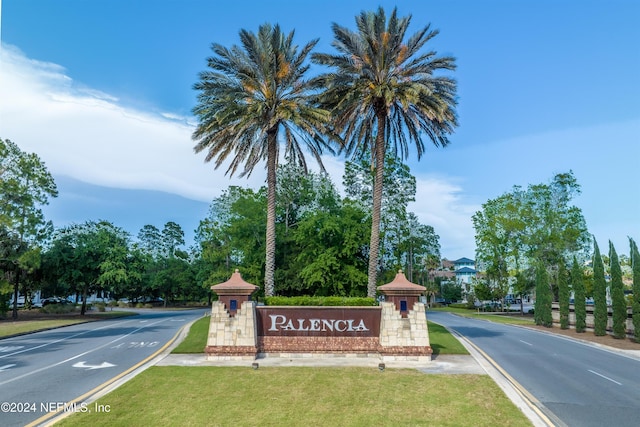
90, 367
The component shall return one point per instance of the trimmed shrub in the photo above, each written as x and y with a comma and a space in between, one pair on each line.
579, 305
321, 301
542, 313
635, 265
600, 310
618, 302
563, 295
460, 305
58, 308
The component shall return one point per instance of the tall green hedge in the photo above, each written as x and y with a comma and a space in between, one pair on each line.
321, 301
600, 311
563, 295
579, 305
618, 301
635, 265
542, 313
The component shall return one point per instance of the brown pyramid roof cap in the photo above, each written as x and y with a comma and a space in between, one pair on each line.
234, 286
401, 285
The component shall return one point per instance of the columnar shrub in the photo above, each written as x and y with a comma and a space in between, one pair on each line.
599, 293
618, 302
579, 305
563, 295
635, 265
542, 313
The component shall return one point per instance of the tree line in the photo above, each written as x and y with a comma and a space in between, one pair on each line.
322, 251
322, 248
535, 241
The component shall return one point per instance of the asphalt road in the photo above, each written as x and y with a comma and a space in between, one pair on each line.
575, 383
46, 371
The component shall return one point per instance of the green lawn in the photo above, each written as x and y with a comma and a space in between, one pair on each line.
9, 327
442, 342
296, 396
512, 318
241, 396
196, 340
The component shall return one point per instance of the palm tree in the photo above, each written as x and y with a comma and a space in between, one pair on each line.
247, 97
383, 95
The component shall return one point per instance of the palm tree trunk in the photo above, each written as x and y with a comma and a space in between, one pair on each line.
374, 245
270, 261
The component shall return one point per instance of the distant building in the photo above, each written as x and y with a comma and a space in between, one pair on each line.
445, 264
465, 270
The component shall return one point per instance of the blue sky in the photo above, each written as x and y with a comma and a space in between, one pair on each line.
102, 91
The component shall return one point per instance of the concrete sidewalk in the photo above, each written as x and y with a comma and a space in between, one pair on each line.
442, 364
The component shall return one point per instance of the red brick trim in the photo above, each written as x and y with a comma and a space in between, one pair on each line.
405, 351
318, 344
229, 350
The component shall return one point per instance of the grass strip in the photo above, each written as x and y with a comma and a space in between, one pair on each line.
241, 396
512, 318
196, 340
24, 326
10, 328
442, 342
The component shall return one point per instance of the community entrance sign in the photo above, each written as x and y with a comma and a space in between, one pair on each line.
395, 329
318, 321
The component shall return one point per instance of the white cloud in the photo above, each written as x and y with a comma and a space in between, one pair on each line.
440, 203
85, 134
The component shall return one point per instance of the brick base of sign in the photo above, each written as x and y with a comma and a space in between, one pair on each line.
313, 333
406, 351
318, 344
230, 350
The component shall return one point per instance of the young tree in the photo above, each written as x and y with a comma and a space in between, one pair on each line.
252, 95
150, 241
172, 237
385, 94
25, 186
563, 294
542, 313
635, 265
496, 226
232, 236
331, 251
600, 311
89, 257
579, 297
618, 301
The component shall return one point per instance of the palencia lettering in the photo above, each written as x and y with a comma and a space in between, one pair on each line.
282, 323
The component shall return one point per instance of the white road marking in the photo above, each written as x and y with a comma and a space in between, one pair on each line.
8, 348
44, 368
83, 364
5, 367
60, 340
527, 343
605, 377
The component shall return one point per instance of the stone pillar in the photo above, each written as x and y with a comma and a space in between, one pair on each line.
232, 328
234, 292
402, 293
403, 325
